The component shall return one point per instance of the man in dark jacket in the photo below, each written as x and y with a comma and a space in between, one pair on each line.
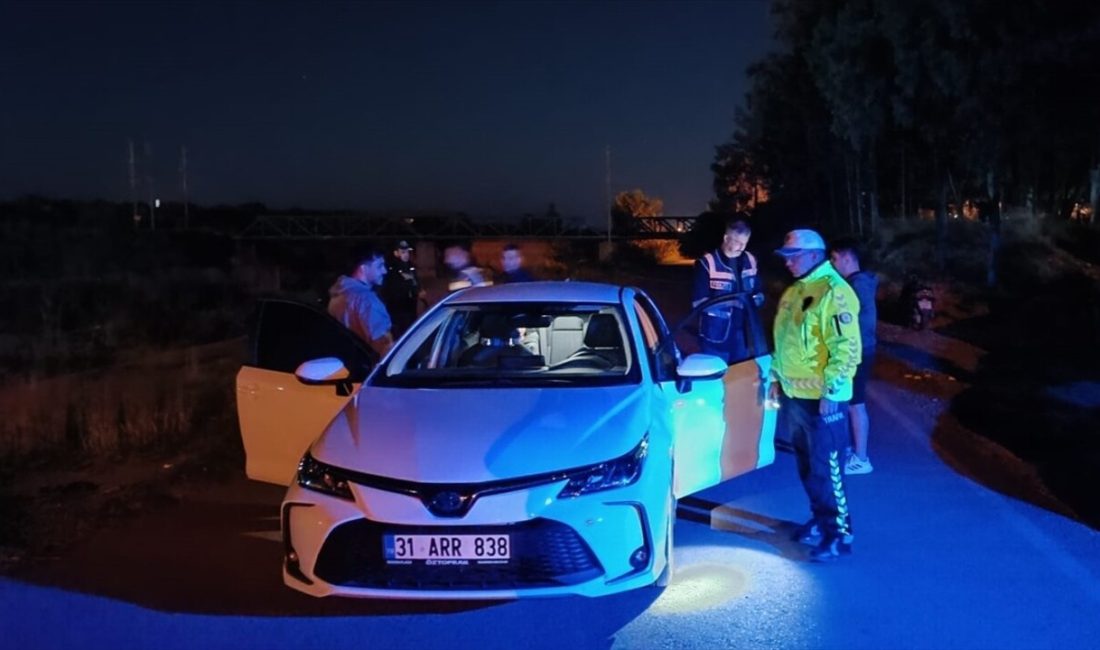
511, 265
401, 289
845, 256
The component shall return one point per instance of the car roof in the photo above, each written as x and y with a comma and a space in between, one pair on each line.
556, 291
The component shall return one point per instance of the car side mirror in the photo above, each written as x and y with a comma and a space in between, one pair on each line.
326, 371
702, 366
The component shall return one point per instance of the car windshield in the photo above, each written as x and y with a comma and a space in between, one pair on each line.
514, 344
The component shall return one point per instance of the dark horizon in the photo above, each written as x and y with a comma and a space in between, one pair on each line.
483, 108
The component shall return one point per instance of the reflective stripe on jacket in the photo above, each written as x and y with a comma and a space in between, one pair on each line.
723, 279
716, 278
817, 341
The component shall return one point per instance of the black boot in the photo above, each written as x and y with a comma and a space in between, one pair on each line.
831, 548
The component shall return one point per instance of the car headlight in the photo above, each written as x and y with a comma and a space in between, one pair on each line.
317, 476
619, 472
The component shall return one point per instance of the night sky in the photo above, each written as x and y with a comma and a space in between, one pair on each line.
494, 109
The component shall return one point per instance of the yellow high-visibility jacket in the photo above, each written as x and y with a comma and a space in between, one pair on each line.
817, 342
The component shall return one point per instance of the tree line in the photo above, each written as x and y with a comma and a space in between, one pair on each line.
873, 107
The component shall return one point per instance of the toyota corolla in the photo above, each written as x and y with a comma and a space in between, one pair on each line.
519, 440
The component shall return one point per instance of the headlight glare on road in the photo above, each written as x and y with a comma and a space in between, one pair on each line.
619, 472
317, 476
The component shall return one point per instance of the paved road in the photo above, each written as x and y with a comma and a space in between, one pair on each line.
940, 562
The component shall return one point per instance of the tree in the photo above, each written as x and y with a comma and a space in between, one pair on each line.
635, 203
853, 70
739, 185
630, 205
962, 100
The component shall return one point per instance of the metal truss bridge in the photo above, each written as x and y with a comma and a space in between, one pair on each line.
378, 228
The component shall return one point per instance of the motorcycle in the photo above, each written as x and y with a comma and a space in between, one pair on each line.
921, 303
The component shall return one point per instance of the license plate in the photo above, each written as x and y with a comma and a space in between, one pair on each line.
447, 547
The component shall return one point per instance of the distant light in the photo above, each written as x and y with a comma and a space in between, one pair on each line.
156, 203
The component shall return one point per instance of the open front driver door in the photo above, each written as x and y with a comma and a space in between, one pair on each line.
280, 416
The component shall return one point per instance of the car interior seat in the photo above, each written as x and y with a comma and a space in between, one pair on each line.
566, 337
497, 337
603, 343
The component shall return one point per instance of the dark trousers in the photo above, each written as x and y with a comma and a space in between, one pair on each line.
818, 447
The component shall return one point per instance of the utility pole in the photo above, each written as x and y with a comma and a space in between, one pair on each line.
183, 183
607, 188
149, 186
133, 181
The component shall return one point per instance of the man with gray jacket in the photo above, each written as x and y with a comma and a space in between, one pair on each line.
354, 302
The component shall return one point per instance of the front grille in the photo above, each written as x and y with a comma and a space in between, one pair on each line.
544, 553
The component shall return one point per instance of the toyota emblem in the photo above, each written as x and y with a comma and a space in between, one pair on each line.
447, 502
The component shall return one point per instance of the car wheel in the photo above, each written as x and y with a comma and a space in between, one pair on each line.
665, 578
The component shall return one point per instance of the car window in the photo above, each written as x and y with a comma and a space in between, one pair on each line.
649, 330
663, 352
284, 334
515, 344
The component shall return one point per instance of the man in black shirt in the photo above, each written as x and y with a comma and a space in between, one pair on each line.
511, 264
402, 288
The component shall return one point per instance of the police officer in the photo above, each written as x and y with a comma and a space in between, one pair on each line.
402, 288
817, 349
728, 269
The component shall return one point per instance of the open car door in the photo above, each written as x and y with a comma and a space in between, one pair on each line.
720, 425
279, 415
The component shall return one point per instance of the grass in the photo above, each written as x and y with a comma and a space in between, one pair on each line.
1040, 328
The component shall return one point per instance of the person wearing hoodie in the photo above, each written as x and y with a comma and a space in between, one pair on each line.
845, 257
354, 302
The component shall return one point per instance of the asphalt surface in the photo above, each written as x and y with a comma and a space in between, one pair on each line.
940, 562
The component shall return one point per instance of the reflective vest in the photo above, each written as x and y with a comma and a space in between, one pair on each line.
817, 341
471, 276
723, 279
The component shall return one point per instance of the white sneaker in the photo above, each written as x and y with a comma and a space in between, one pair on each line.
857, 466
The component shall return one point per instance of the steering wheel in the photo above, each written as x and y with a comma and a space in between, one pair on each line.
586, 358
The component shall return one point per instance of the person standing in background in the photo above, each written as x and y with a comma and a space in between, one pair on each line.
354, 302
401, 290
511, 263
845, 256
457, 257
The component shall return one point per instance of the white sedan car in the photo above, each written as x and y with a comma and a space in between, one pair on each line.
520, 440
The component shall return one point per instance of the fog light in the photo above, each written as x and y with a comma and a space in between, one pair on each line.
292, 557
639, 558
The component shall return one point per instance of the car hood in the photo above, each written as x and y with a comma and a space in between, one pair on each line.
477, 435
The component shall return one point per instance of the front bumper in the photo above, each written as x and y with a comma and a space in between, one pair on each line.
583, 545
